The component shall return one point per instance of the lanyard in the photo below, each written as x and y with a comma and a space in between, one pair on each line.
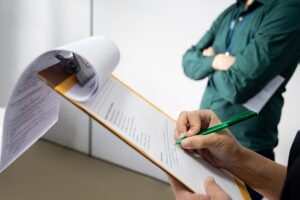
233, 27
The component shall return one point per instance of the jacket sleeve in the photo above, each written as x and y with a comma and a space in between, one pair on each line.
195, 65
274, 46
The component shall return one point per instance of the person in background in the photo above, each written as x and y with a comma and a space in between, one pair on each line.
222, 150
249, 44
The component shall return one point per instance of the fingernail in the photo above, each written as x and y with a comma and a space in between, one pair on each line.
186, 143
210, 179
181, 135
189, 133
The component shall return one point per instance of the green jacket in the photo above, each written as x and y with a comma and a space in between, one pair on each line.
266, 43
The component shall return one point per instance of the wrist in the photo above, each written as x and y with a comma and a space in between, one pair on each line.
209, 60
214, 65
239, 159
217, 62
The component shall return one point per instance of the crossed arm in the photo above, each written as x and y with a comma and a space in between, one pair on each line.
239, 77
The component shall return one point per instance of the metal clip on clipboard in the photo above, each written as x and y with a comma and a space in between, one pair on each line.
78, 66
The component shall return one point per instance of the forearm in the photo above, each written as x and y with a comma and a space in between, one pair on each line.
195, 65
262, 174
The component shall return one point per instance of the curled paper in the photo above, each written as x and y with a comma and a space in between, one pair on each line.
33, 107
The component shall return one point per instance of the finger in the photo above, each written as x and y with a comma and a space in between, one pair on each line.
205, 51
200, 141
208, 119
214, 190
181, 192
181, 125
194, 121
177, 187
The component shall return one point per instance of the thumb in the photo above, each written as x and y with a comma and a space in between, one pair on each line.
200, 142
214, 190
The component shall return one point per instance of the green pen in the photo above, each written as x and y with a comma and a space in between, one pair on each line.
236, 119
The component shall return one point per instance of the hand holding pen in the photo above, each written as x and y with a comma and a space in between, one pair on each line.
211, 129
220, 149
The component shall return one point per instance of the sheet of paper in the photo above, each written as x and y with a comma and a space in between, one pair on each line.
31, 111
33, 106
257, 102
151, 131
2, 111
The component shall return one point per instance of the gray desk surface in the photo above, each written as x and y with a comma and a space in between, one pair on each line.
48, 171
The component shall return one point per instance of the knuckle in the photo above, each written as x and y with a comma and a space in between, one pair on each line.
194, 112
211, 113
216, 140
196, 142
180, 130
183, 113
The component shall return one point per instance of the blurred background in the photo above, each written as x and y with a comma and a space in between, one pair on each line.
152, 37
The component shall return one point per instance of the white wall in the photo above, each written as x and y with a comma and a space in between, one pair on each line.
152, 36
290, 122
